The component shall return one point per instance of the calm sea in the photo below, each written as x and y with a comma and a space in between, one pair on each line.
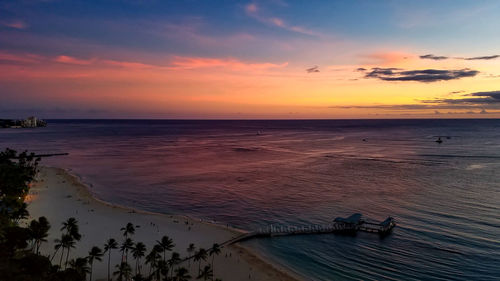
249, 174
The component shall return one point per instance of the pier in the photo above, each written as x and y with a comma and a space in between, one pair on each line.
43, 155
350, 225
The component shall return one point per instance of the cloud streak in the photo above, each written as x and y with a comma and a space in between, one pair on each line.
16, 24
477, 98
254, 11
437, 58
233, 64
424, 76
473, 101
433, 57
483, 58
313, 69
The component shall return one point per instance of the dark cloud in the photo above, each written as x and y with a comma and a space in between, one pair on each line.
478, 98
313, 69
425, 75
483, 58
361, 69
478, 101
433, 57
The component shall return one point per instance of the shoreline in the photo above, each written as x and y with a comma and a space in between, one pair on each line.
237, 262
87, 193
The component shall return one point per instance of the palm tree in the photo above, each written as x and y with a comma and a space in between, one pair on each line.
123, 271
153, 257
66, 242
38, 231
206, 273
94, 254
174, 259
161, 269
58, 245
138, 252
108, 246
190, 251
127, 245
214, 251
199, 256
166, 244
71, 227
128, 229
80, 265
182, 274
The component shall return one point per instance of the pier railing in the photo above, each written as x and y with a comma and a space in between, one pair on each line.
273, 230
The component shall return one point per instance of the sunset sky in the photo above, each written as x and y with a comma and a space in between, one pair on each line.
249, 59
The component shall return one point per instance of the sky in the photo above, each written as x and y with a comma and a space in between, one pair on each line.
275, 59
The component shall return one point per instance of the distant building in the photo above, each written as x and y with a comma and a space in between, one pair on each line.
30, 122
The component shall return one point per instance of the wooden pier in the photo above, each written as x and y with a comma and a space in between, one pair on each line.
350, 225
43, 155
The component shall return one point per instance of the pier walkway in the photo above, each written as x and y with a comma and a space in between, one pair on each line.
349, 225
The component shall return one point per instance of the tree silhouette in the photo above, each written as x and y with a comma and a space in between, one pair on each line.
138, 252
214, 251
128, 229
127, 245
108, 246
182, 274
94, 254
190, 251
167, 244
206, 273
38, 231
199, 256
123, 271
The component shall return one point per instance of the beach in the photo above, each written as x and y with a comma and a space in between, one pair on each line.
59, 195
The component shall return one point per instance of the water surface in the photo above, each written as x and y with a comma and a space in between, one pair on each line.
249, 174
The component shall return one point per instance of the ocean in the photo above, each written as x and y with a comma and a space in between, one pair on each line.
250, 174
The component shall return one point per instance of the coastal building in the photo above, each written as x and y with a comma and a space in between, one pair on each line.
30, 122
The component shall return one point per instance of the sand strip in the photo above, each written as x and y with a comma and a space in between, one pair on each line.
59, 195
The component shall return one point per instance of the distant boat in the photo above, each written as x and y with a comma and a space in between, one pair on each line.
439, 140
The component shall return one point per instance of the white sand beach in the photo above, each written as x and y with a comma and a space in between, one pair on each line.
59, 195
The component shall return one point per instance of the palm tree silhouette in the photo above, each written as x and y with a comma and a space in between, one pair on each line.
182, 274
128, 229
190, 251
68, 243
80, 266
153, 257
127, 245
72, 229
138, 252
174, 259
108, 246
162, 269
206, 273
214, 251
199, 256
123, 271
58, 245
166, 244
38, 231
94, 254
